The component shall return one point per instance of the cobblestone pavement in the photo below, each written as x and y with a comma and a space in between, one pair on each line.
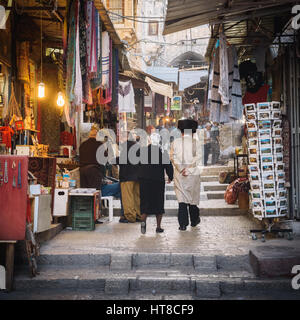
213, 236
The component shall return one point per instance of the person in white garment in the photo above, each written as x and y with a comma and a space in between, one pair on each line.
186, 157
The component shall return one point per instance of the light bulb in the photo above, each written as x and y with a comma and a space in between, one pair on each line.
41, 90
60, 100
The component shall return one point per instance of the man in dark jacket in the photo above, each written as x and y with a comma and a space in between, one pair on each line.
130, 188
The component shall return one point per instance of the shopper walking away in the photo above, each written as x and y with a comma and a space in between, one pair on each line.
152, 181
186, 157
130, 188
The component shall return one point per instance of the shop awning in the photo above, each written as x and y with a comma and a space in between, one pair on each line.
160, 88
185, 14
190, 78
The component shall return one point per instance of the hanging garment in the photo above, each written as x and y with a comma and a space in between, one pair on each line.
126, 97
78, 76
105, 59
91, 38
82, 48
223, 82
115, 84
186, 154
236, 105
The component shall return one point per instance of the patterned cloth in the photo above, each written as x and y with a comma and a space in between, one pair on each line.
105, 58
223, 80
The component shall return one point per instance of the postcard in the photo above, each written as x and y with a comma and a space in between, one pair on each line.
264, 124
267, 159
253, 151
255, 177
275, 105
282, 203
277, 132
251, 125
265, 132
278, 150
271, 211
251, 116
282, 194
269, 185
256, 195
257, 212
253, 160
266, 151
270, 203
279, 158
270, 194
282, 211
279, 167
280, 176
251, 107
280, 185
266, 115
276, 124
276, 115
263, 106
268, 177
253, 143
257, 204
265, 142
278, 142
268, 167
252, 133
255, 186
253, 169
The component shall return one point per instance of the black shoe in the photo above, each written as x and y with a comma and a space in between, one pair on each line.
138, 220
182, 228
198, 221
98, 222
159, 230
143, 227
123, 220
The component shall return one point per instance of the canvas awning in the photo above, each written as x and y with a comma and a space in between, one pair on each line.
160, 88
185, 14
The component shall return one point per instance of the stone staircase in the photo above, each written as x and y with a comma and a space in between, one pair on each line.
152, 275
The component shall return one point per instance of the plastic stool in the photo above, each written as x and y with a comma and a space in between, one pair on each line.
110, 201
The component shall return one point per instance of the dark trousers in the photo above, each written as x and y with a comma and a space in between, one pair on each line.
207, 148
215, 152
183, 214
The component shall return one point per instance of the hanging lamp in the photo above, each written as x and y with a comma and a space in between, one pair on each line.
60, 99
41, 86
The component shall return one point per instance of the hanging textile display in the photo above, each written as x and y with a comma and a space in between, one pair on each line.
115, 78
91, 38
105, 58
223, 61
126, 97
82, 48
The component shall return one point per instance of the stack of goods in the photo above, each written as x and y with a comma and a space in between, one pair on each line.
266, 167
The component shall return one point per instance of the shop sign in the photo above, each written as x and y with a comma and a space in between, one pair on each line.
176, 103
2, 17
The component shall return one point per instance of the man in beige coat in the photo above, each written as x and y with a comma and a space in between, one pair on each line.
186, 158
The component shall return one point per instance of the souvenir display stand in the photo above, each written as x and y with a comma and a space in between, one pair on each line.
266, 167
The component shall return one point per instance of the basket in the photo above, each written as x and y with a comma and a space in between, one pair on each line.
83, 221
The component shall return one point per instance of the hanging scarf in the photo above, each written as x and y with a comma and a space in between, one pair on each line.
105, 59
83, 51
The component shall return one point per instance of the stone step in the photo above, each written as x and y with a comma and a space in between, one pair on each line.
215, 195
212, 186
201, 286
209, 178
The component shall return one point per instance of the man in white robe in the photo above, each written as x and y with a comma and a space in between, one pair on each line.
186, 157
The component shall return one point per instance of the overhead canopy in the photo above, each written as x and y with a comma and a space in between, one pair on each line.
190, 78
185, 14
160, 88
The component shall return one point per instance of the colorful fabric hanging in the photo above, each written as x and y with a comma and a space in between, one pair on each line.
105, 59
91, 38
83, 51
223, 80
